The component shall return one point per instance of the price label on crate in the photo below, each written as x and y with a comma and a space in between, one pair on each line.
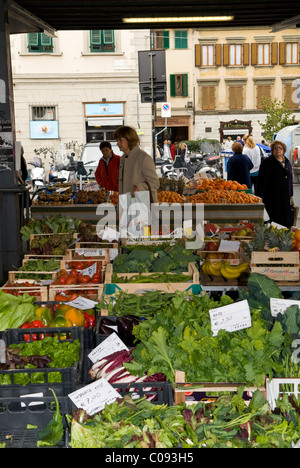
110, 345
91, 270
82, 303
93, 397
279, 306
91, 252
231, 317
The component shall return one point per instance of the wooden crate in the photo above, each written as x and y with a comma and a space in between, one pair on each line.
190, 393
110, 287
279, 266
79, 289
44, 257
40, 292
13, 275
103, 254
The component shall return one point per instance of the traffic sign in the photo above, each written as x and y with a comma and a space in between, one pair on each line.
166, 109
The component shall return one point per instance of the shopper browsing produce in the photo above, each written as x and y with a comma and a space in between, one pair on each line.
275, 185
107, 172
239, 166
137, 168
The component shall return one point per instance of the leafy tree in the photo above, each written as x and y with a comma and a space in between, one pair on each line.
277, 116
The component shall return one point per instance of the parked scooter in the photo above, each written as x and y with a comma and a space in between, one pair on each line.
37, 174
63, 171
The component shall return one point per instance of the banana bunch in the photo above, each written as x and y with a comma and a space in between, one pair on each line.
223, 268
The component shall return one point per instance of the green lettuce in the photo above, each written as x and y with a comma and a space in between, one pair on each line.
15, 310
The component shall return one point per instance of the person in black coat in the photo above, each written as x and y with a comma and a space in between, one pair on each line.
239, 166
275, 185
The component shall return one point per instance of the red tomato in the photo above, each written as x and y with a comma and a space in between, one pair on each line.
74, 272
71, 280
62, 280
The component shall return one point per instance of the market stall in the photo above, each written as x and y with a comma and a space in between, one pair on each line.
200, 340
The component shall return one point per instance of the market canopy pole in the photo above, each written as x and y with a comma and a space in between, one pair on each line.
10, 242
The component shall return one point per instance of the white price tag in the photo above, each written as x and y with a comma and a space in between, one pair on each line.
113, 253
90, 252
93, 397
229, 246
231, 317
82, 303
91, 270
111, 345
279, 306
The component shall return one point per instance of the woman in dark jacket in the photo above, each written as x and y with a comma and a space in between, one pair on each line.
275, 185
239, 166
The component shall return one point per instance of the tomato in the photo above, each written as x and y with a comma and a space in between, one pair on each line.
71, 280
84, 278
96, 278
79, 265
60, 298
74, 272
62, 280
62, 273
73, 297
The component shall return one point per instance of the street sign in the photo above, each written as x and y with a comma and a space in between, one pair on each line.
166, 109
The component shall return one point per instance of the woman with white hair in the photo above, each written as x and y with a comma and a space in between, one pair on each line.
252, 151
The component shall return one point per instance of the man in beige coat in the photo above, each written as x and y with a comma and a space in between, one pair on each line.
137, 169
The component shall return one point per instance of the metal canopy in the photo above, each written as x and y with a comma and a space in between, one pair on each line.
108, 14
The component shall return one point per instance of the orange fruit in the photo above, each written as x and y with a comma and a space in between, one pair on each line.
297, 235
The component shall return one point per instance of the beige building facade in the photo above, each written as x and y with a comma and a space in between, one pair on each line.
81, 85
228, 72
76, 87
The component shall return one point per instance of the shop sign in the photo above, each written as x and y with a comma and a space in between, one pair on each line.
104, 109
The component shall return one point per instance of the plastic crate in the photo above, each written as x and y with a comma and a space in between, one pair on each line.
88, 334
39, 381
158, 392
17, 413
17, 335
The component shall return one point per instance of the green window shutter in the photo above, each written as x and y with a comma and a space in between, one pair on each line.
166, 39
33, 39
46, 40
95, 36
181, 39
172, 85
108, 36
185, 85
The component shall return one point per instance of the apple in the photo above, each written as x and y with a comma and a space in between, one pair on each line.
212, 246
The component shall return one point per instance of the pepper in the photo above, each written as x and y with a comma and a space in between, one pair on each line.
89, 320
44, 315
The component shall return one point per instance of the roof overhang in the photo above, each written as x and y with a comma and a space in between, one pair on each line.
109, 14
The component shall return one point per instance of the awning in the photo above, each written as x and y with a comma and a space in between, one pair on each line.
105, 122
235, 131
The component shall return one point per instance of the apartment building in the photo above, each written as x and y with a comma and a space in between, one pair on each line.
76, 87
218, 77
81, 85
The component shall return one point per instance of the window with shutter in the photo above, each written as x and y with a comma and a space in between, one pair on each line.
292, 53
264, 54
208, 98
179, 85
288, 96
235, 54
181, 39
263, 92
39, 42
235, 97
208, 55
102, 40
160, 40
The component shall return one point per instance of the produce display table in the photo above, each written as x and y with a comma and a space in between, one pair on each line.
214, 213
